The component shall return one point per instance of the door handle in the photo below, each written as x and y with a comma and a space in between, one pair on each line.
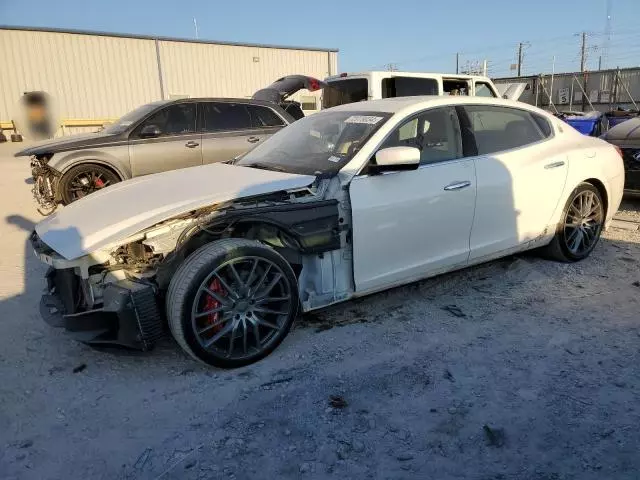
554, 165
253, 139
457, 185
191, 144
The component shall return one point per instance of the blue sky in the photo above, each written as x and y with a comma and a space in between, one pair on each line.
417, 35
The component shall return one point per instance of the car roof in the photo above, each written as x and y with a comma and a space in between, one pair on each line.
222, 99
629, 129
387, 73
400, 104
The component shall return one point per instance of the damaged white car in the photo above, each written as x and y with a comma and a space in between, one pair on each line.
343, 203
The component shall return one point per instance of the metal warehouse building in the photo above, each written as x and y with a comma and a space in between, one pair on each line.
95, 77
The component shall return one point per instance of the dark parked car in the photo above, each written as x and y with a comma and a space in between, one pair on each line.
161, 136
626, 136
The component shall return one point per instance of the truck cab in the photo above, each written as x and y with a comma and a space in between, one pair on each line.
356, 87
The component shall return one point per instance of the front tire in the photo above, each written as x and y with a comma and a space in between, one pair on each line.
580, 226
82, 180
232, 302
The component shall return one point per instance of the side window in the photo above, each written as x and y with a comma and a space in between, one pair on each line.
408, 87
264, 117
544, 124
501, 128
455, 86
220, 117
435, 132
173, 120
484, 90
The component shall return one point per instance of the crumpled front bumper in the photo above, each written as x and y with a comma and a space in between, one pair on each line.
129, 315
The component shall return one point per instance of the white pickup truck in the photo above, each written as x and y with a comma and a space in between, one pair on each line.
356, 87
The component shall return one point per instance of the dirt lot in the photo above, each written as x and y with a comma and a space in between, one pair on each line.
518, 369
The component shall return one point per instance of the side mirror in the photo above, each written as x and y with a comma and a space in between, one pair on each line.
396, 158
150, 131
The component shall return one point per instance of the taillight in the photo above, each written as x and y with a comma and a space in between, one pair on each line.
313, 85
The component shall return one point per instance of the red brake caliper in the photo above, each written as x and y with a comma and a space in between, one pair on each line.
99, 183
211, 303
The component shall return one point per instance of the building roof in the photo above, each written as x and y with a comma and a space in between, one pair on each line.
166, 39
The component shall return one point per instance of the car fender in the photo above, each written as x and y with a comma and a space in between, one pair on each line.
116, 158
596, 161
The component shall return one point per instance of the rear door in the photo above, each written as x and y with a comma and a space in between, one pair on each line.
230, 129
176, 146
520, 173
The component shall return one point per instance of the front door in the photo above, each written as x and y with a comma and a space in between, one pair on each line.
520, 177
178, 145
409, 224
230, 129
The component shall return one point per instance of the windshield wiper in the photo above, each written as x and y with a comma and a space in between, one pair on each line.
264, 166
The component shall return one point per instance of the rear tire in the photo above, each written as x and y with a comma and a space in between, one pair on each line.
82, 180
580, 226
232, 302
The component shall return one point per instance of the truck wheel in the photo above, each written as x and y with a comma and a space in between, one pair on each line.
83, 180
232, 302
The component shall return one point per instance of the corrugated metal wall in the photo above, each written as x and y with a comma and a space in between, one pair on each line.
88, 76
101, 76
605, 89
232, 71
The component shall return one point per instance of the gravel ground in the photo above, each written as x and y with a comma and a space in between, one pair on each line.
517, 369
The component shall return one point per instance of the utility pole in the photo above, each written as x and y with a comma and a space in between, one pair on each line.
520, 58
583, 67
583, 52
457, 63
607, 35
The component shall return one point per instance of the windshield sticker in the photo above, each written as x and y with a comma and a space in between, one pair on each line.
366, 119
333, 159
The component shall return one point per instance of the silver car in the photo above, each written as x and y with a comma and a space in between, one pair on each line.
155, 137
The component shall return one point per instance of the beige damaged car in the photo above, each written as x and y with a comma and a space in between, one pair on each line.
161, 136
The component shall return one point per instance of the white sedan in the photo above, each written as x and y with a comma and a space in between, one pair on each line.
347, 202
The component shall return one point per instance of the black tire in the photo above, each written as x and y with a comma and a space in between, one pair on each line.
195, 280
560, 248
97, 177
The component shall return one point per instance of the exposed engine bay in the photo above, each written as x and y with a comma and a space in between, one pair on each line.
309, 227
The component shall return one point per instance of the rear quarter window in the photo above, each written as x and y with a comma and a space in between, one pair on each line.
544, 124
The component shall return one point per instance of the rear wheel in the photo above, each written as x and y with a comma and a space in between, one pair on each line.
232, 302
581, 225
83, 180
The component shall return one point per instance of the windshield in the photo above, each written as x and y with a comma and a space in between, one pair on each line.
341, 92
320, 144
123, 123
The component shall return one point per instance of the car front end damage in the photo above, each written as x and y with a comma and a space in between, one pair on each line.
116, 295
45, 181
97, 304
